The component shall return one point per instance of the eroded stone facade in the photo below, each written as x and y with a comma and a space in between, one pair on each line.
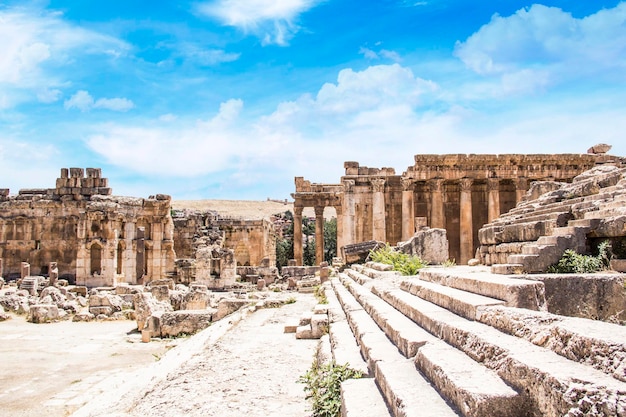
458, 193
96, 239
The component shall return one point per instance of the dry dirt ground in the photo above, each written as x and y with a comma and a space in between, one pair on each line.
243, 365
246, 209
53, 369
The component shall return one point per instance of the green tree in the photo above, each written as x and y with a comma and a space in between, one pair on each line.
330, 239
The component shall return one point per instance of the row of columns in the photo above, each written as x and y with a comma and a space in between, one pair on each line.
346, 222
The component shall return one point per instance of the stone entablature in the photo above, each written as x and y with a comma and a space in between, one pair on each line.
456, 192
95, 238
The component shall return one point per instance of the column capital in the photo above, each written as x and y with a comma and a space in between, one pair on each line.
493, 184
521, 183
338, 210
297, 211
378, 184
407, 184
319, 211
466, 184
348, 185
436, 185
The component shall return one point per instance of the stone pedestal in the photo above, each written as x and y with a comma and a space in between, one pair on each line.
25, 270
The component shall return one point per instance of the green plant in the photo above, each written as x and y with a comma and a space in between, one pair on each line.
323, 387
449, 263
404, 263
576, 263
320, 294
290, 300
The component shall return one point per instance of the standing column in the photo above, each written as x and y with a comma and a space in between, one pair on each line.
340, 236
521, 186
379, 231
408, 216
319, 235
493, 185
349, 212
297, 235
437, 214
465, 220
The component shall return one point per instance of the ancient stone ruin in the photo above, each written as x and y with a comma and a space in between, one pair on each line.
94, 238
458, 193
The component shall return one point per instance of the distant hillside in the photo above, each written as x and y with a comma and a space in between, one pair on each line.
244, 209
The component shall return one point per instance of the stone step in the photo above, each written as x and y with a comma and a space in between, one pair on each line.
361, 398
596, 343
507, 269
345, 350
472, 388
557, 386
399, 329
563, 241
406, 391
460, 302
516, 292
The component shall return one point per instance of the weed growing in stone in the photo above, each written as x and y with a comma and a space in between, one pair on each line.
401, 262
575, 263
323, 387
320, 294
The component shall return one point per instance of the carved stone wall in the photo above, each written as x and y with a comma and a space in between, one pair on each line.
456, 192
95, 238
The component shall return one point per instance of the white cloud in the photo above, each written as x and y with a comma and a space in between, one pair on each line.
203, 56
49, 96
550, 39
383, 53
36, 44
275, 22
84, 102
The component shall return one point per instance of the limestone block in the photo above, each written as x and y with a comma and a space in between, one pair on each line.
260, 284
319, 325
160, 292
106, 300
227, 306
169, 283
43, 313
196, 300
15, 302
83, 316
55, 295
304, 332
430, 245
145, 306
185, 322
101, 310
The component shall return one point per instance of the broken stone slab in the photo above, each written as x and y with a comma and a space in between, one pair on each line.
319, 325
185, 322
228, 306
145, 306
43, 313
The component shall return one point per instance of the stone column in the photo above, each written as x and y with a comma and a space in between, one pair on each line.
340, 236
379, 229
1, 268
408, 210
521, 186
140, 255
437, 213
466, 231
493, 185
319, 235
297, 235
349, 212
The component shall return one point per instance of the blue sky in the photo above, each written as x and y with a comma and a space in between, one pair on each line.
231, 99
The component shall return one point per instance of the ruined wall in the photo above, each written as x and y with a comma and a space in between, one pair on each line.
95, 238
251, 240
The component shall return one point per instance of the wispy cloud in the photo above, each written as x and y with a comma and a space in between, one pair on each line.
275, 22
382, 53
84, 102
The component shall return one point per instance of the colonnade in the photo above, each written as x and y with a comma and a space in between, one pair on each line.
380, 190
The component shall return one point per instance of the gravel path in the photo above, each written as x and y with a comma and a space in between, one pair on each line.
247, 367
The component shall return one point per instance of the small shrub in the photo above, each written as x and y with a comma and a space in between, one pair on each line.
290, 300
449, 263
401, 262
575, 263
323, 387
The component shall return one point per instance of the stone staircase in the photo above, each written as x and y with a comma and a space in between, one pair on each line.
536, 233
465, 342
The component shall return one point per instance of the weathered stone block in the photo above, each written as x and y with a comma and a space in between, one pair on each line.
43, 313
186, 322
